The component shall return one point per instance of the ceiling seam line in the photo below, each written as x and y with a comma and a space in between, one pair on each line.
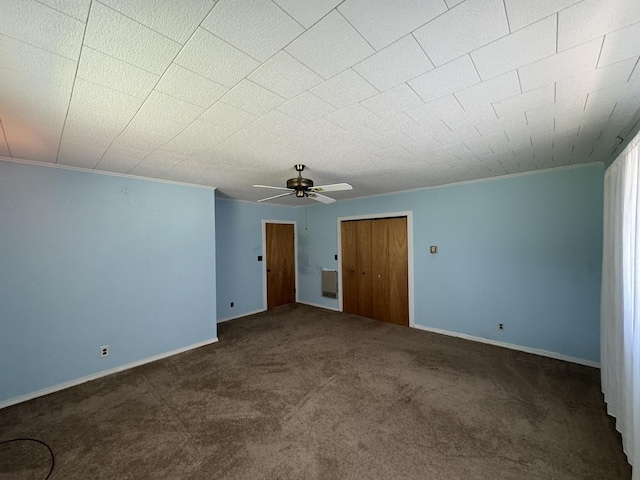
73, 86
4, 134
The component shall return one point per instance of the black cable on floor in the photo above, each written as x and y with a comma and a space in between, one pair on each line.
53, 458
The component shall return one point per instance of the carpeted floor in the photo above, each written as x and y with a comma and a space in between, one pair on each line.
302, 392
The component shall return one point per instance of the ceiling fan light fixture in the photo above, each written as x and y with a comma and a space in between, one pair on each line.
299, 193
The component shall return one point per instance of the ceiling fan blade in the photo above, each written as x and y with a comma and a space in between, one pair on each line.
336, 187
269, 186
276, 196
320, 198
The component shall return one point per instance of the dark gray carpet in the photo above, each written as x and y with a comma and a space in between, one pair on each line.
301, 392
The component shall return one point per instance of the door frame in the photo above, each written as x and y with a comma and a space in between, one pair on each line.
409, 215
264, 256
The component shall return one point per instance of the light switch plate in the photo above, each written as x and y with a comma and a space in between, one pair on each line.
433, 249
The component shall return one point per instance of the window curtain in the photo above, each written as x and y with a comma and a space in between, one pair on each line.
620, 314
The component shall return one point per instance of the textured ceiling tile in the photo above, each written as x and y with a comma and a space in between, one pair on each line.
176, 20
307, 12
227, 115
171, 108
330, 46
575, 61
352, 116
620, 45
475, 23
497, 88
446, 79
285, 76
443, 107
138, 139
34, 61
110, 72
514, 121
520, 48
215, 59
198, 137
117, 163
392, 101
78, 9
190, 87
277, 123
382, 22
525, 12
321, 129
118, 36
398, 121
253, 136
427, 131
575, 88
257, 27
41, 26
464, 119
25, 95
79, 154
147, 170
591, 19
121, 151
158, 126
105, 109
397, 63
306, 107
252, 98
525, 101
344, 89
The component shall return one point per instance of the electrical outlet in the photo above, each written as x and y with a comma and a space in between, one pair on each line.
104, 351
501, 326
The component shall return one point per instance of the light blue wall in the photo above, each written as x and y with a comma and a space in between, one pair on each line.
525, 251
239, 242
88, 260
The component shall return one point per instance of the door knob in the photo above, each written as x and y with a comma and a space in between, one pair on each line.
268, 270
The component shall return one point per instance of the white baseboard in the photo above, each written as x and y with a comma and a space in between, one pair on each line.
104, 373
512, 346
335, 309
260, 310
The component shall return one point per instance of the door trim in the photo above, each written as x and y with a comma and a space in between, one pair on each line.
409, 215
264, 255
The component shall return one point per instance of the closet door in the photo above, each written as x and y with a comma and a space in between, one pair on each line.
363, 235
375, 271
380, 299
350, 274
398, 271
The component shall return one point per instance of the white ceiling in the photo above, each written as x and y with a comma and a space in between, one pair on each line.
387, 95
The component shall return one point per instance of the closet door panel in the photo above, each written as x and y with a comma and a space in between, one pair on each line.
380, 270
350, 273
398, 271
363, 234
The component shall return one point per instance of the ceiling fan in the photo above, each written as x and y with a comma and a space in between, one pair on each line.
303, 187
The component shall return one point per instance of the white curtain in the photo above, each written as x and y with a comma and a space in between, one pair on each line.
620, 315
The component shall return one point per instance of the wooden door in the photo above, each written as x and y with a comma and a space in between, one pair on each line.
349, 267
398, 271
380, 307
363, 258
281, 265
375, 269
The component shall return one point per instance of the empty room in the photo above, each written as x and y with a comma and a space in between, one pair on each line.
295, 239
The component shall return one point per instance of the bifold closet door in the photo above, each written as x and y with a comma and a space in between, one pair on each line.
398, 271
375, 269
349, 267
380, 307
